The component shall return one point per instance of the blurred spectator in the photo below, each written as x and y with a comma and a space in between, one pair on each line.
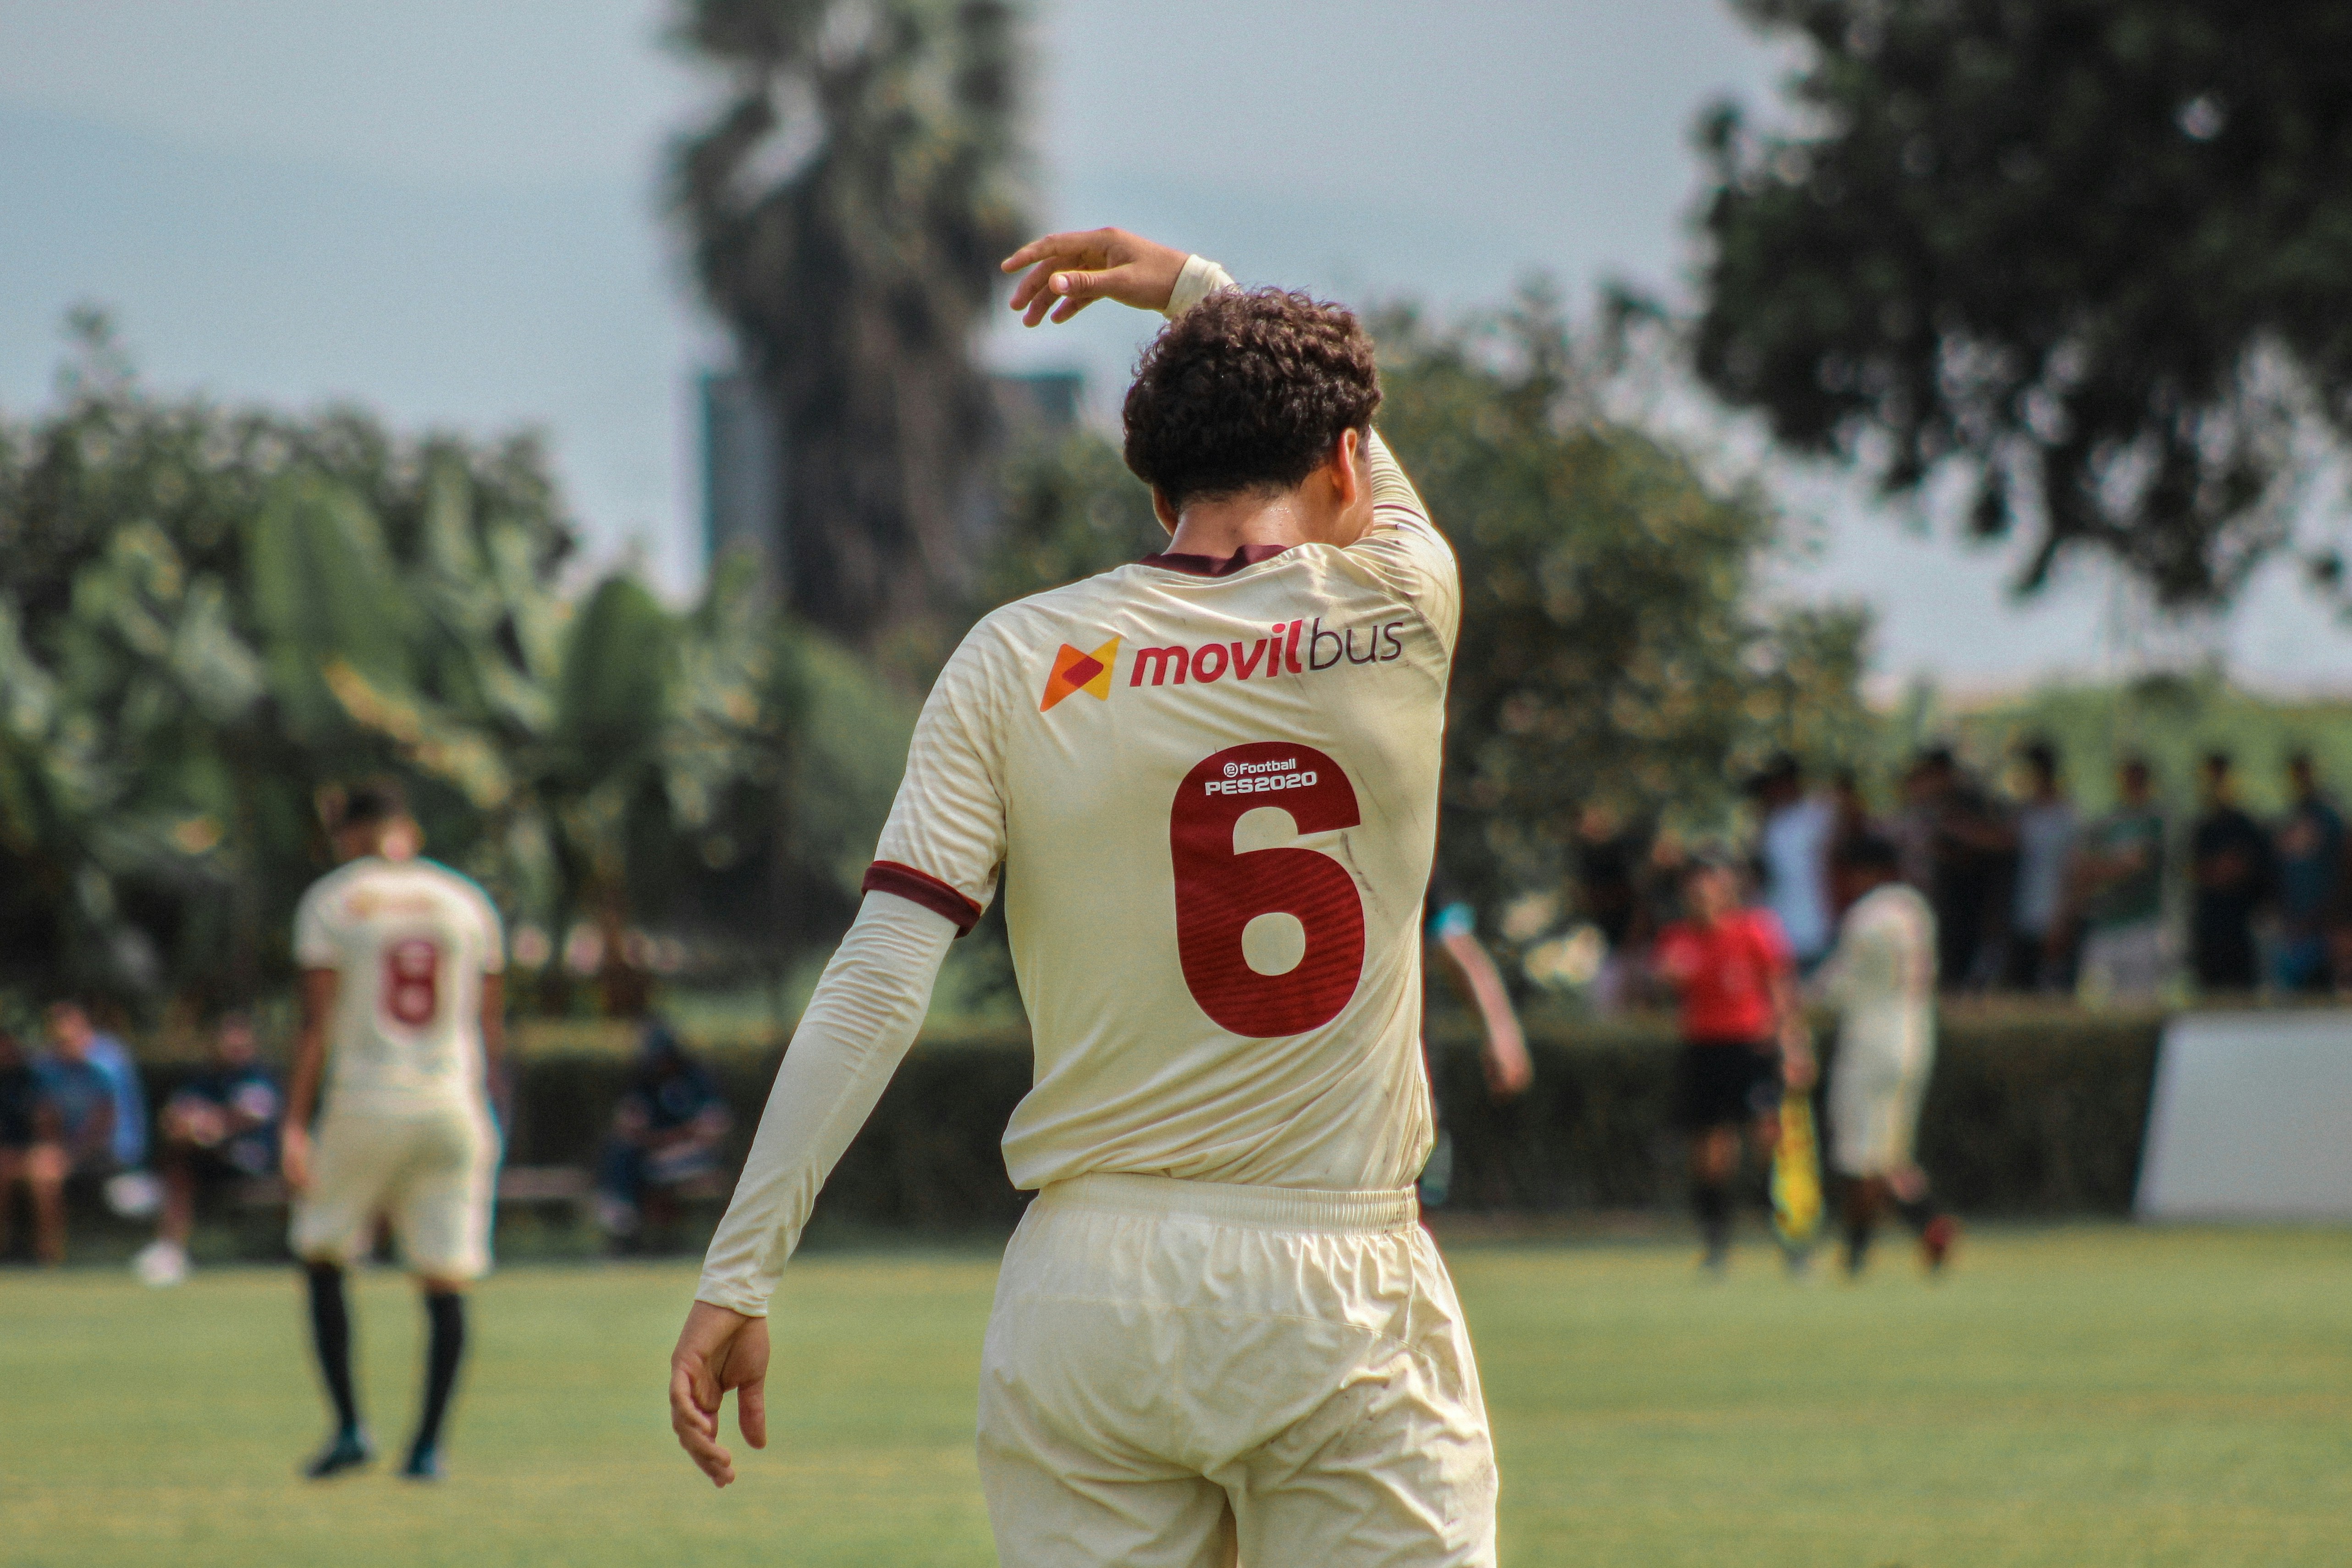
669, 1132
2044, 827
1912, 830
19, 1103
1793, 853
1743, 1036
220, 1128
1609, 858
2120, 872
73, 1133
2309, 848
2230, 867
1966, 844
105, 1053
1852, 823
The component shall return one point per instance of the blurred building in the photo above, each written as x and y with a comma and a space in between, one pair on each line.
744, 456
743, 477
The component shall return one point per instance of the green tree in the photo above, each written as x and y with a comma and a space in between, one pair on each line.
1615, 646
846, 207
2090, 255
209, 614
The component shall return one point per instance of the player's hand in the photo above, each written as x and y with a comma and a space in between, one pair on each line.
1798, 1069
1069, 272
718, 1349
294, 1157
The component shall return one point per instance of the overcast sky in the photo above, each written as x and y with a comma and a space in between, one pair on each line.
447, 209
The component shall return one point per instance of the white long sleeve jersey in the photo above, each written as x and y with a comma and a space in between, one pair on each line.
1209, 788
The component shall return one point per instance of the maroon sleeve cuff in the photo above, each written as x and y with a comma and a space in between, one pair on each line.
923, 888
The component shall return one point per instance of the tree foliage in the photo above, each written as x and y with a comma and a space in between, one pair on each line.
2089, 254
1067, 509
846, 207
1616, 647
210, 613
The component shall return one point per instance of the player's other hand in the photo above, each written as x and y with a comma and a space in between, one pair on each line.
718, 1349
1069, 272
294, 1157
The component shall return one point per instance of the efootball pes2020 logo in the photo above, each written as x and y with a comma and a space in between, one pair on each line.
1075, 671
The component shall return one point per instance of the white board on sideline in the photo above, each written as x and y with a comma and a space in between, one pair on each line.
2251, 1119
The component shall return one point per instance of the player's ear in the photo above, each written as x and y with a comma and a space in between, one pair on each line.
1347, 466
1161, 509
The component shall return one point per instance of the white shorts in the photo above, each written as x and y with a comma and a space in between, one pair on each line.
1873, 1105
432, 1172
1177, 1372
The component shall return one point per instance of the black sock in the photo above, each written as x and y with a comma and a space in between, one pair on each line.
444, 1311
330, 1335
1711, 1201
1919, 1213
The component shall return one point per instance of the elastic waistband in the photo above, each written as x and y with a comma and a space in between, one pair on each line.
1272, 1208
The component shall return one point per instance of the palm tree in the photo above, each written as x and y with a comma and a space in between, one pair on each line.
846, 206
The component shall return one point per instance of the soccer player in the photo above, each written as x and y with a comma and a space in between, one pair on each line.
1208, 781
1882, 980
1743, 1037
404, 1014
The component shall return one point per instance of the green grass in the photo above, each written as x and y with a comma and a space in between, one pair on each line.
2090, 1395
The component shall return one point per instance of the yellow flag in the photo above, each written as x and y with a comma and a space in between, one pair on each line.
1797, 1172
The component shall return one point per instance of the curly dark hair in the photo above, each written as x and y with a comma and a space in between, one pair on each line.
1247, 392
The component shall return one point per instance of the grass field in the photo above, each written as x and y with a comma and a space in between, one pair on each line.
2091, 1396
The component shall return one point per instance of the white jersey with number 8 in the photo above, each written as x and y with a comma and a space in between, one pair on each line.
1212, 790
410, 942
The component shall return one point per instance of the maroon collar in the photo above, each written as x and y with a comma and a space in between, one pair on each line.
1210, 566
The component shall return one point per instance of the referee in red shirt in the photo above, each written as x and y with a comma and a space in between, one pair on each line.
1743, 1036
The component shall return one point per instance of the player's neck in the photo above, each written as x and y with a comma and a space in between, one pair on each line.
1221, 528
1318, 510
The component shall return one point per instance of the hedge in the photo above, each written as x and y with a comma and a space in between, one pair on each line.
2034, 1112
2031, 1112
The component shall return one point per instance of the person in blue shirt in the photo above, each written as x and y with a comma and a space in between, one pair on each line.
73, 1135
220, 1126
669, 1134
128, 1141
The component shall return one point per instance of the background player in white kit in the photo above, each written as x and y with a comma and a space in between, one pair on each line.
1881, 976
404, 1014
1209, 781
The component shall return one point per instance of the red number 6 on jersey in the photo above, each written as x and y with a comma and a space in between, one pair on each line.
1219, 893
